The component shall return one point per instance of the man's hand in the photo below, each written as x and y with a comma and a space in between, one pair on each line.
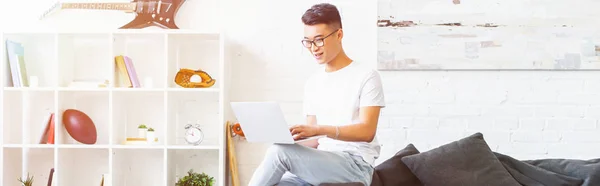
360, 132
304, 131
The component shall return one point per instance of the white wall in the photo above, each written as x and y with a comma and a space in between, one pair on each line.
524, 114
521, 113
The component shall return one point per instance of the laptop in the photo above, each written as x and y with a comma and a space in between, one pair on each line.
263, 122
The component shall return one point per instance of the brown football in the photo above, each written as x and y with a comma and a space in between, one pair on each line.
80, 126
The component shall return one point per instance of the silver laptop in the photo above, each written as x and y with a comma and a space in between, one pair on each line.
263, 122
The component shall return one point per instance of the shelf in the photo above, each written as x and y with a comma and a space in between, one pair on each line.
132, 167
116, 89
147, 54
179, 162
12, 118
40, 59
78, 167
38, 107
84, 58
13, 166
32, 146
79, 146
131, 109
78, 70
94, 105
193, 108
196, 52
39, 163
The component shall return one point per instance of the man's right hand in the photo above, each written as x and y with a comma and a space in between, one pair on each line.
310, 120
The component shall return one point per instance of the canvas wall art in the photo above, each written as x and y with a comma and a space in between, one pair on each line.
487, 35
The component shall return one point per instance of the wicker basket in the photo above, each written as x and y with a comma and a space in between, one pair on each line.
183, 78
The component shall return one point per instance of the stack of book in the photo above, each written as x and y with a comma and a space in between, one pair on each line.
125, 72
16, 61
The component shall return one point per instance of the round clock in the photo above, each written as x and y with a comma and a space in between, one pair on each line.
193, 134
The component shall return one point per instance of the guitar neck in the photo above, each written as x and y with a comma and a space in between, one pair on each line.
127, 7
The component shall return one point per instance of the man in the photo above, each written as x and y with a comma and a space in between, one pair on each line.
343, 101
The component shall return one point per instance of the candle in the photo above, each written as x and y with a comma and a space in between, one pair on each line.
33, 81
148, 82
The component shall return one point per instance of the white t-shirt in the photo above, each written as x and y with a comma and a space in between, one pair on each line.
335, 98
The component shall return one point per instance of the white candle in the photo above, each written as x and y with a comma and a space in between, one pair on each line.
33, 81
148, 82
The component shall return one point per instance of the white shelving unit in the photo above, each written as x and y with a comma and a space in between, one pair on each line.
58, 59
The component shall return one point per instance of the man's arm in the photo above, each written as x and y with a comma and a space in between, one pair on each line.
363, 131
371, 102
311, 120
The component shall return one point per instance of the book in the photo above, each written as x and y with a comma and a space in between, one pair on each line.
131, 72
125, 72
16, 60
121, 72
48, 133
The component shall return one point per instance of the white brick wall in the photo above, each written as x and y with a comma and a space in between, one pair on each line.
523, 114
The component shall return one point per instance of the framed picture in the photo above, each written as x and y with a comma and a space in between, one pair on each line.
489, 35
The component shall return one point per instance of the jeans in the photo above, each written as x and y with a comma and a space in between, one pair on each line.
293, 164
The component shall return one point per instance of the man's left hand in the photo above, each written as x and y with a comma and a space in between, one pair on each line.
304, 131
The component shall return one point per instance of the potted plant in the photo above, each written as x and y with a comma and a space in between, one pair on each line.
150, 135
27, 182
142, 131
195, 179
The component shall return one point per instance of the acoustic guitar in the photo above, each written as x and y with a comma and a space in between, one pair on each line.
160, 13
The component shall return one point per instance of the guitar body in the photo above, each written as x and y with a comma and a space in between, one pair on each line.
155, 13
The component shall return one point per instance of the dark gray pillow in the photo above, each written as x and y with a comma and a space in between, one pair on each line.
468, 161
394, 172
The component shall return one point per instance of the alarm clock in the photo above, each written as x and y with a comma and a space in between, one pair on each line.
193, 134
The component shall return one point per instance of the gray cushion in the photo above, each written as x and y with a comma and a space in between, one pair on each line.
585, 172
531, 175
468, 161
394, 172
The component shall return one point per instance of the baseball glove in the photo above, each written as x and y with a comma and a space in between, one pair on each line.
183, 78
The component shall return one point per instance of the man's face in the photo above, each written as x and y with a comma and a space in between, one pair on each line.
326, 42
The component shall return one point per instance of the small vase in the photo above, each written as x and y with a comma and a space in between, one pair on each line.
142, 133
150, 137
148, 82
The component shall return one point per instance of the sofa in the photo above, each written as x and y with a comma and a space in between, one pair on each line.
470, 162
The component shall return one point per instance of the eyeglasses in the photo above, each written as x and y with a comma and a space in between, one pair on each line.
317, 42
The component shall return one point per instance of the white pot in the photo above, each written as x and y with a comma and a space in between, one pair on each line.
142, 133
150, 137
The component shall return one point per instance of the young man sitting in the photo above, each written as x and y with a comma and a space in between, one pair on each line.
341, 100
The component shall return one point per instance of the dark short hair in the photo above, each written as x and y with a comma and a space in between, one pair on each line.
323, 13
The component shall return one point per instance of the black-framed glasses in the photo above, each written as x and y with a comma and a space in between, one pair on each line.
317, 42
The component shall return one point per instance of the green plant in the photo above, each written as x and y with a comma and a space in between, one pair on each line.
142, 126
150, 129
195, 179
28, 181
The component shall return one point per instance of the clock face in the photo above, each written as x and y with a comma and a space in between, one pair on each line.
193, 135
